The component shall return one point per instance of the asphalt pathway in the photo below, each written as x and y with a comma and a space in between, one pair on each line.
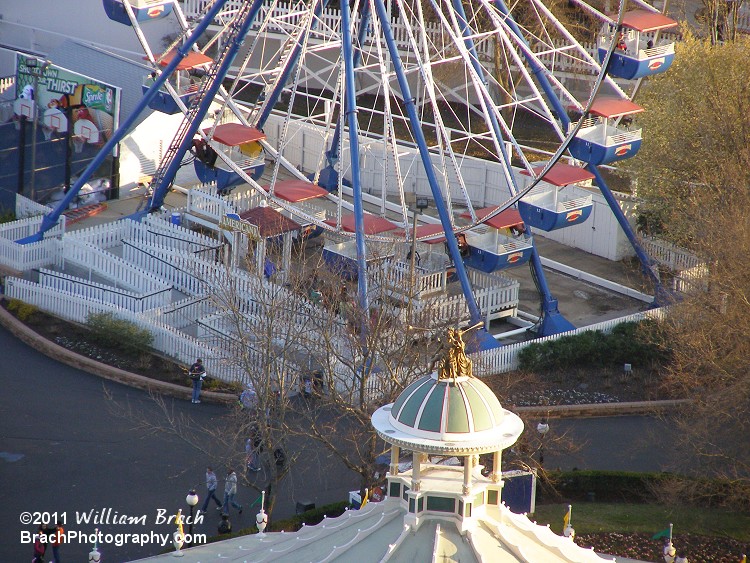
64, 450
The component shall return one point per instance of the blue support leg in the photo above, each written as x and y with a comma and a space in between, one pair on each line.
445, 219
328, 177
552, 321
661, 295
350, 106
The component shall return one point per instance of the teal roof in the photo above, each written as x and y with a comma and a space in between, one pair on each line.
459, 406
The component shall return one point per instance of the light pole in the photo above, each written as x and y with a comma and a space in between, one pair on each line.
192, 500
36, 72
421, 204
542, 428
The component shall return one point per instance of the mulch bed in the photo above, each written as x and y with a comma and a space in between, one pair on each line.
697, 549
75, 337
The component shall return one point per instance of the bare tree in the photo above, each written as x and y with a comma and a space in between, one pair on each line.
697, 113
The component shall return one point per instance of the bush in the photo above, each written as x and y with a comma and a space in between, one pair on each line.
640, 344
7, 215
111, 332
623, 486
21, 310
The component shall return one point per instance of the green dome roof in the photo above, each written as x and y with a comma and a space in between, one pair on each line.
453, 408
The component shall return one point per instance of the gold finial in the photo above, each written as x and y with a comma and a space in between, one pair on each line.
455, 363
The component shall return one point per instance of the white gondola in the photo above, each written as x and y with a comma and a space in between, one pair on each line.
143, 10
185, 80
548, 207
601, 140
638, 51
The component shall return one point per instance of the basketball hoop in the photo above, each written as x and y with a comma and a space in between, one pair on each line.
47, 132
78, 142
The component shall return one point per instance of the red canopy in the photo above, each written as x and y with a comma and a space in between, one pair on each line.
234, 134
607, 106
297, 190
270, 222
645, 20
562, 174
425, 231
192, 60
503, 220
372, 224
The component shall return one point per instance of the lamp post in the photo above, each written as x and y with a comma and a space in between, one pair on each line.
261, 519
192, 500
36, 72
421, 203
542, 428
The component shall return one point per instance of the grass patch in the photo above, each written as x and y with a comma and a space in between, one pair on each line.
649, 518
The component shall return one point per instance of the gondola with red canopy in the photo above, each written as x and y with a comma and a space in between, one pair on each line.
240, 144
640, 50
601, 139
547, 207
185, 81
143, 10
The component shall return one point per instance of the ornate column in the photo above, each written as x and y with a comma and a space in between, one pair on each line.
496, 469
393, 469
468, 465
415, 471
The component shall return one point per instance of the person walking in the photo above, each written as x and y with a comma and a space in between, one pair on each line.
251, 455
40, 545
56, 538
230, 490
197, 375
212, 484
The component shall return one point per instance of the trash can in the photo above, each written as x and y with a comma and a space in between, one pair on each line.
176, 218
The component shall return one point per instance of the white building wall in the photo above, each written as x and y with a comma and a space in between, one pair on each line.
41, 25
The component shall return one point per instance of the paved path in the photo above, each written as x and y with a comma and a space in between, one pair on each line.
62, 449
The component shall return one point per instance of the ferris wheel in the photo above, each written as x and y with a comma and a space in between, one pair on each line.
497, 114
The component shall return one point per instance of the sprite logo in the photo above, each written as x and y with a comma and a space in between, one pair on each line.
95, 96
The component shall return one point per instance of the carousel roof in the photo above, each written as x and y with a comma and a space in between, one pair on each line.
458, 415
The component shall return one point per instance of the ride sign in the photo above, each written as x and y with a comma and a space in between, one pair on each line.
229, 223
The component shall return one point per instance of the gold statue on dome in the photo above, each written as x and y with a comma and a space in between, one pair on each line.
455, 362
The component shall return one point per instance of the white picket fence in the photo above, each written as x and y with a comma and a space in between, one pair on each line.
121, 298
505, 358
172, 342
182, 313
26, 207
108, 266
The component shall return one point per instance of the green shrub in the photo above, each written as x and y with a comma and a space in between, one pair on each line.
624, 486
114, 333
640, 344
7, 215
21, 310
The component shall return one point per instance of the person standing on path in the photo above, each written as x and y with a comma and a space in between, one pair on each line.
230, 490
57, 537
197, 375
212, 484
